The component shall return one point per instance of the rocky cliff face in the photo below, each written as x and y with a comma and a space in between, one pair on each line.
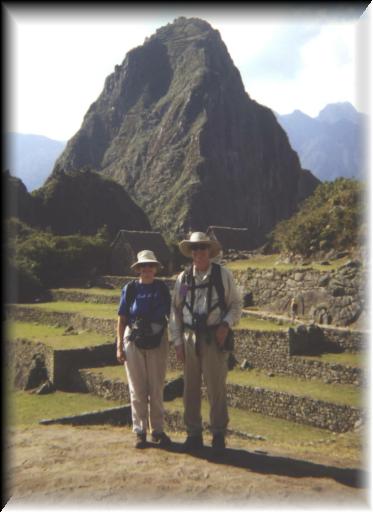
176, 128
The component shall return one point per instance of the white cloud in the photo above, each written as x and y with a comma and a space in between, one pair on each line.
328, 73
60, 61
323, 71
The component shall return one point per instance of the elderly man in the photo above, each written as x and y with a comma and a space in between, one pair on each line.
205, 305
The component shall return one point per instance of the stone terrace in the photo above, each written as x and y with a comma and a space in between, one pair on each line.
295, 353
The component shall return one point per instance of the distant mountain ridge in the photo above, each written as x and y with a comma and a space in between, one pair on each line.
31, 157
330, 145
328, 149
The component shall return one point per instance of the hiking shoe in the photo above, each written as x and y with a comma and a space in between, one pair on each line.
218, 443
193, 443
161, 439
140, 441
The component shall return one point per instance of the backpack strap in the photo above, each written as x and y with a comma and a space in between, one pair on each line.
164, 292
215, 280
130, 296
189, 281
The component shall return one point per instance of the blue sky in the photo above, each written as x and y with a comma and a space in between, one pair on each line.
289, 58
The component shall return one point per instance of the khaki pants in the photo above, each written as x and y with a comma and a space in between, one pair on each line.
212, 364
146, 372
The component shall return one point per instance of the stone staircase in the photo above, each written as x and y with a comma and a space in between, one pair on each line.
92, 368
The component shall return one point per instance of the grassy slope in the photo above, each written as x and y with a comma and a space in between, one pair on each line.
53, 336
269, 262
109, 311
28, 409
85, 308
93, 291
258, 324
316, 389
277, 431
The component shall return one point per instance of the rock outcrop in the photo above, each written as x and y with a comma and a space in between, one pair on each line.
176, 128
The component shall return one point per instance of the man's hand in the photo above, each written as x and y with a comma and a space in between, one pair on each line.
221, 334
180, 353
120, 355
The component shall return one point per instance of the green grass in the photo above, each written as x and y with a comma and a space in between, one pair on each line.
25, 409
110, 311
357, 360
302, 441
269, 262
273, 429
92, 291
344, 394
53, 336
84, 308
257, 324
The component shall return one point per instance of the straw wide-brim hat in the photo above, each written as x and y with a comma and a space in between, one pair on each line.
146, 257
198, 238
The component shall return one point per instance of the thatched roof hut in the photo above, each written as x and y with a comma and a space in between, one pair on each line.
127, 244
231, 238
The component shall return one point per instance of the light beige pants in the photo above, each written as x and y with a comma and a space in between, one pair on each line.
212, 364
146, 372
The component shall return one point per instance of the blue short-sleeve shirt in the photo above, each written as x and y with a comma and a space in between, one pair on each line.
151, 301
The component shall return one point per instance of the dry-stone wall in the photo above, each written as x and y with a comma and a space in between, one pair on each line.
116, 389
99, 385
335, 296
271, 351
347, 340
338, 418
68, 362
31, 363
34, 363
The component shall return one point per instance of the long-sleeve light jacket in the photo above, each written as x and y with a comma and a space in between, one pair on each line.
181, 315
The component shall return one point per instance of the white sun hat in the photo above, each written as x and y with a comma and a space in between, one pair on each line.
198, 238
146, 257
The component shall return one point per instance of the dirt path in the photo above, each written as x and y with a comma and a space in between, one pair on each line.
62, 464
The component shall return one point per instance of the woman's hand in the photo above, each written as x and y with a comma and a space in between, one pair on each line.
180, 353
121, 357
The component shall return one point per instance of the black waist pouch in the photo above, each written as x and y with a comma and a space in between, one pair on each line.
143, 337
228, 342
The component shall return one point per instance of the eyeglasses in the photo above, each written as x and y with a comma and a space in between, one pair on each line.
200, 247
145, 265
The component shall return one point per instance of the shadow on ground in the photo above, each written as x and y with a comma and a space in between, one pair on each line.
282, 466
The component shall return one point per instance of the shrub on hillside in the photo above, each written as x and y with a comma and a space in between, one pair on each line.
22, 284
40, 260
332, 218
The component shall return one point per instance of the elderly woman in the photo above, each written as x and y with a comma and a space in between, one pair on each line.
142, 346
